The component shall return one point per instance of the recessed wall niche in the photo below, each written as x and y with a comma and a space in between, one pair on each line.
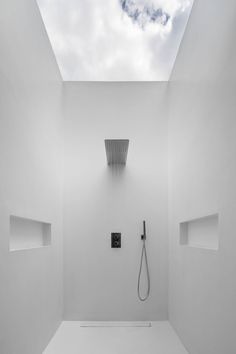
27, 233
201, 232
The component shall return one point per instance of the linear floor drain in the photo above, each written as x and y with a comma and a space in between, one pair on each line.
115, 324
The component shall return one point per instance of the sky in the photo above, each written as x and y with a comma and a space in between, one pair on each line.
115, 40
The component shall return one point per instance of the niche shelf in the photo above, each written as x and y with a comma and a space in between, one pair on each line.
201, 232
27, 233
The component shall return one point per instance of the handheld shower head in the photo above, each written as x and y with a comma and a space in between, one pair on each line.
144, 258
143, 236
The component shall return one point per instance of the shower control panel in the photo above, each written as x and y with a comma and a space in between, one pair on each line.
115, 240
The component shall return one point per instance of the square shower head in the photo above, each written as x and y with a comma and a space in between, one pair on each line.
116, 150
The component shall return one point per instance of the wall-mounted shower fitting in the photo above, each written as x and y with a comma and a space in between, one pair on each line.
115, 240
144, 256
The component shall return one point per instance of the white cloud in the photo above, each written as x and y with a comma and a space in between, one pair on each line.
99, 40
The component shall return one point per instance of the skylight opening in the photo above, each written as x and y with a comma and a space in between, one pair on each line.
116, 40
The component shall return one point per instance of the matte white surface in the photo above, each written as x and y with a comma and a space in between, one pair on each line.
26, 233
202, 232
202, 301
73, 339
31, 178
207, 55
100, 282
202, 284
202, 127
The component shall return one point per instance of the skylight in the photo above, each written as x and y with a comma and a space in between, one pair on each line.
115, 40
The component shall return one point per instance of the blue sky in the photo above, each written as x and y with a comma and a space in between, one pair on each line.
115, 40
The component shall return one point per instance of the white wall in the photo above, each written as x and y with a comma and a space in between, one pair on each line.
207, 52
30, 165
100, 282
202, 126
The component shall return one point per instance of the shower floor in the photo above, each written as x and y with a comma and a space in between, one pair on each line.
116, 338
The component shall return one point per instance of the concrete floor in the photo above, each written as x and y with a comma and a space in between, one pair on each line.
115, 338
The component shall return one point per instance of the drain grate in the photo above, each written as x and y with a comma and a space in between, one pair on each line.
115, 324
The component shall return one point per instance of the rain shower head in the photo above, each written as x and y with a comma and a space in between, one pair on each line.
116, 150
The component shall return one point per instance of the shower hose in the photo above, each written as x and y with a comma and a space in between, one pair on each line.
144, 258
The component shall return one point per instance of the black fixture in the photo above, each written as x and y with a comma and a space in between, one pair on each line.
115, 240
144, 259
143, 236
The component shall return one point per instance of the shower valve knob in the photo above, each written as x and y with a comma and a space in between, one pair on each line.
115, 240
